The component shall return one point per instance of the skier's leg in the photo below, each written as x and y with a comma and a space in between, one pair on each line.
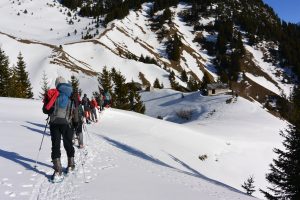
55, 132
67, 139
55, 139
80, 135
92, 115
95, 114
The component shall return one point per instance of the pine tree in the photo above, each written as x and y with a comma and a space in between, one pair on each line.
105, 81
285, 170
248, 185
13, 83
193, 84
45, 85
121, 95
113, 72
294, 112
205, 80
139, 106
156, 84
184, 76
24, 90
4, 74
75, 84
235, 66
173, 48
173, 83
135, 99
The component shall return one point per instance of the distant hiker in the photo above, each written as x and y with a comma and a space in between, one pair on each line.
100, 100
94, 107
86, 106
107, 99
78, 115
58, 105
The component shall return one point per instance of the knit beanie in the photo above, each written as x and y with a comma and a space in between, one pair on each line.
59, 80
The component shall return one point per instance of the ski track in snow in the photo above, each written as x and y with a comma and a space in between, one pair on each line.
107, 155
103, 156
95, 157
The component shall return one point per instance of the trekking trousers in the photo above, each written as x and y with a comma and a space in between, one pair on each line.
78, 132
94, 114
65, 131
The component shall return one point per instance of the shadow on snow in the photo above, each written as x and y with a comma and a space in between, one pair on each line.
190, 171
37, 130
23, 161
197, 174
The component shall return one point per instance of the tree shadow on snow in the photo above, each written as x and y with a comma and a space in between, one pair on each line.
195, 173
37, 130
162, 97
192, 98
23, 161
135, 152
190, 171
187, 98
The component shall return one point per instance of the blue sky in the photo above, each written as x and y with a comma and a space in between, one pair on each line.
288, 10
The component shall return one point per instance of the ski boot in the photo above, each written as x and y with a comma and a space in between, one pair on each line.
57, 175
71, 165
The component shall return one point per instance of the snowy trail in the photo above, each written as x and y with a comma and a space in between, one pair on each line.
89, 157
108, 161
129, 157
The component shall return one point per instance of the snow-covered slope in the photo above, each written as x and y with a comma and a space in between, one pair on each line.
245, 132
46, 21
150, 159
119, 45
280, 84
131, 156
40, 57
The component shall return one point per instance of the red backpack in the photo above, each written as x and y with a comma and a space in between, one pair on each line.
49, 100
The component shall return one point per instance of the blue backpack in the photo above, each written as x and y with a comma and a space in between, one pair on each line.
63, 107
65, 91
107, 96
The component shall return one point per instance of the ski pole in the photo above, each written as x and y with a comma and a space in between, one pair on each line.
82, 164
87, 133
85, 129
37, 157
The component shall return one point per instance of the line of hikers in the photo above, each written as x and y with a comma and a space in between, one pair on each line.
68, 113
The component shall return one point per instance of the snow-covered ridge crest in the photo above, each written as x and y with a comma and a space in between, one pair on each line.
121, 45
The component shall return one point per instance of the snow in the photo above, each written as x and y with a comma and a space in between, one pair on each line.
244, 133
191, 63
264, 82
271, 70
123, 159
123, 40
98, 57
131, 156
37, 58
132, 32
207, 21
42, 16
188, 36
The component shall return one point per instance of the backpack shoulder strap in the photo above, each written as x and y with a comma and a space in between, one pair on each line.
71, 109
52, 95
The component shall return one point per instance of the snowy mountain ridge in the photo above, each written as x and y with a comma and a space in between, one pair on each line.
130, 155
124, 42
